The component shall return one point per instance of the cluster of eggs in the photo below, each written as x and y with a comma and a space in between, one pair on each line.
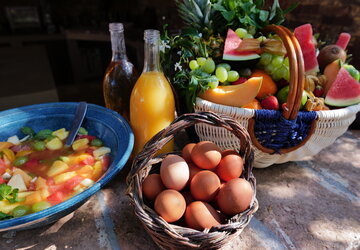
203, 186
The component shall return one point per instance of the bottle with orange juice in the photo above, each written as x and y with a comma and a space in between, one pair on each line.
152, 102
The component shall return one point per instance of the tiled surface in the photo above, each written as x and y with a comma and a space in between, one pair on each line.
311, 204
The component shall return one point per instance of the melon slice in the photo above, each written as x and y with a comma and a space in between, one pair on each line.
343, 40
234, 95
232, 42
304, 34
344, 91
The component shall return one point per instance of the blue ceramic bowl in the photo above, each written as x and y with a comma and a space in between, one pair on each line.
104, 123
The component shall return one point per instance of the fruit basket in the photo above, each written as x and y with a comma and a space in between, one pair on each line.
174, 236
294, 94
287, 136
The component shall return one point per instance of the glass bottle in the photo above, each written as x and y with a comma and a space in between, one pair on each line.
120, 75
152, 103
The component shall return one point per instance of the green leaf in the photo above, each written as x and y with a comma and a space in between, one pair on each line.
27, 131
274, 6
6, 192
228, 15
263, 15
4, 216
259, 3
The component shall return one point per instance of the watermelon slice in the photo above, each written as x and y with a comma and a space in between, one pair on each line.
232, 42
304, 34
344, 91
343, 40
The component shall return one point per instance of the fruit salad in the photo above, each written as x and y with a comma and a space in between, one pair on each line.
39, 171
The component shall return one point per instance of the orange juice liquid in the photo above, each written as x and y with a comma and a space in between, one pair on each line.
152, 108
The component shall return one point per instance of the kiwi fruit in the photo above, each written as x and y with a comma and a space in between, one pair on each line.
330, 53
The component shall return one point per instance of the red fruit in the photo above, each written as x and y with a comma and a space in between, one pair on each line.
239, 81
284, 107
270, 102
318, 91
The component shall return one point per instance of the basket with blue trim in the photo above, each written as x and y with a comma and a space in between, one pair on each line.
285, 136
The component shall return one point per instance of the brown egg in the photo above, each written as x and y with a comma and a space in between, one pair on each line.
205, 185
228, 152
206, 155
193, 170
230, 167
174, 172
186, 151
152, 186
170, 205
200, 215
235, 196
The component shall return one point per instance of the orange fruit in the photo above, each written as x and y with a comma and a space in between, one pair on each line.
254, 104
268, 86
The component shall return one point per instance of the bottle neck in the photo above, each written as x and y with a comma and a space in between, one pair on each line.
118, 46
152, 55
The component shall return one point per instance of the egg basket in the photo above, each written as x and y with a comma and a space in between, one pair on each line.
287, 136
172, 236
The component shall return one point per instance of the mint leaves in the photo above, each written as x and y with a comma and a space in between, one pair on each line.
8, 193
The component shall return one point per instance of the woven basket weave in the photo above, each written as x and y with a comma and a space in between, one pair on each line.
320, 133
171, 236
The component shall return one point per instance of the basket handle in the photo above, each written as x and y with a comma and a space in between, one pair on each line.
296, 86
292, 53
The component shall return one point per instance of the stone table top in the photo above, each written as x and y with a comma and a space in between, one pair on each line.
309, 204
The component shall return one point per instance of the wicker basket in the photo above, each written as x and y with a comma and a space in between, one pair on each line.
291, 135
171, 236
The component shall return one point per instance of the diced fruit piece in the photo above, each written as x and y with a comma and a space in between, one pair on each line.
33, 198
268, 86
73, 182
97, 170
39, 145
14, 140
64, 159
40, 183
20, 210
344, 91
61, 133
96, 142
304, 34
270, 102
23, 153
330, 53
17, 181
39, 206
86, 171
27, 178
22, 195
83, 131
56, 168
343, 40
20, 160
5, 144
7, 207
44, 192
201, 61
331, 71
232, 42
64, 177
9, 154
54, 144
56, 198
87, 182
80, 144
101, 151
234, 95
